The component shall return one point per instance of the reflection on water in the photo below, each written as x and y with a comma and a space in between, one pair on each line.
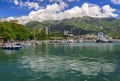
68, 62
53, 65
9, 51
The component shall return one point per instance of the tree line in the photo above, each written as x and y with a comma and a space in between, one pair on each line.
13, 31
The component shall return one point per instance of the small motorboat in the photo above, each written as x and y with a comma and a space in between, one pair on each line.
11, 47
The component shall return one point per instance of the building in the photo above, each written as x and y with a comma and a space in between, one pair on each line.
100, 35
46, 30
66, 32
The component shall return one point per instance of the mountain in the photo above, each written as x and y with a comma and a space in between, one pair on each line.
84, 25
35, 24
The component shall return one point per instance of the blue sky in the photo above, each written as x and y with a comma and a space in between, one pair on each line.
39, 10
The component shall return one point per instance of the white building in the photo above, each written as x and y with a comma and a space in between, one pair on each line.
66, 32
47, 30
100, 35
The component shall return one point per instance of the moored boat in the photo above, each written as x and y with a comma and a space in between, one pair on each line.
11, 47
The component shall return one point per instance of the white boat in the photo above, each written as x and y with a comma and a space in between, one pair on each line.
71, 41
26, 43
11, 47
79, 41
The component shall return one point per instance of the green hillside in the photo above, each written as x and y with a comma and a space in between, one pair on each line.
86, 25
14, 31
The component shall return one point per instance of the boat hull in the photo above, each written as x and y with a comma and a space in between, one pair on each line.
101, 41
11, 47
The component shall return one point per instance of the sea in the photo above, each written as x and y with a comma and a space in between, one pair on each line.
62, 62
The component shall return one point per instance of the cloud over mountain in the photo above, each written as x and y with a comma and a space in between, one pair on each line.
56, 11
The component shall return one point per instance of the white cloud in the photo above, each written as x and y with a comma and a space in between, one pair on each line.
35, 4
28, 4
107, 11
53, 12
116, 1
62, 4
71, 0
39, 0
32, 5
16, 2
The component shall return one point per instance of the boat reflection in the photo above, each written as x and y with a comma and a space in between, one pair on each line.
9, 51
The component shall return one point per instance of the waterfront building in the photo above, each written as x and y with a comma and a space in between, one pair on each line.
66, 32
100, 35
46, 30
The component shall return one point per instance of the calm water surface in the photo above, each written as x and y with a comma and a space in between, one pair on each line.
62, 62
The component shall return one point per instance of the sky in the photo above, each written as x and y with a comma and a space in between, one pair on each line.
39, 10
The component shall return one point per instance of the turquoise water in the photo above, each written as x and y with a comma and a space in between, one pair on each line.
62, 62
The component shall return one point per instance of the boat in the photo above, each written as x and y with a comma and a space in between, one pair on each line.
26, 44
79, 41
100, 41
71, 41
104, 41
11, 47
